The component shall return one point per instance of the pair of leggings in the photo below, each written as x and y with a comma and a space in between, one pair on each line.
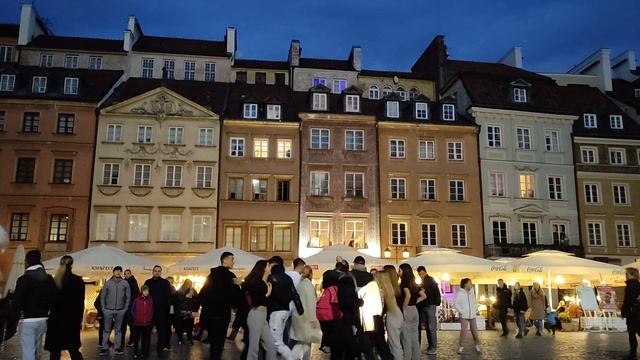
469, 323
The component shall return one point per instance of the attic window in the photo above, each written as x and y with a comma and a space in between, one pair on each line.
448, 112
421, 111
71, 61
250, 111
413, 94
374, 92
615, 121
393, 109
339, 85
241, 77
318, 81
7, 82
590, 121
273, 112
520, 95
402, 93
386, 91
352, 103
39, 84
637, 93
319, 101
71, 85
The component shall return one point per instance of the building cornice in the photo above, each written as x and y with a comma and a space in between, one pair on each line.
337, 117
48, 102
261, 123
518, 114
605, 141
413, 125
582, 175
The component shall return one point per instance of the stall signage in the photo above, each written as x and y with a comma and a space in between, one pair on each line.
533, 269
102, 267
191, 268
498, 268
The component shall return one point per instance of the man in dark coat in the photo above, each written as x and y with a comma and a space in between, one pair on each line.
67, 312
128, 320
220, 293
428, 310
631, 310
160, 291
503, 303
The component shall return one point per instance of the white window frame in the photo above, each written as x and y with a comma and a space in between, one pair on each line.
620, 200
601, 231
355, 230
143, 223
210, 72
236, 147
260, 148
285, 149
431, 232
523, 138
448, 112
114, 133
71, 85
233, 236
168, 232
323, 142
549, 136
536, 231
46, 60
39, 84
500, 221
623, 156
422, 111
321, 226
353, 192
7, 82
497, 182
173, 176
354, 143
250, 111
319, 101
590, 121
147, 134
282, 236
238, 194
393, 109
95, 63
189, 70
145, 175
6, 54
352, 103
621, 242
616, 123
456, 183
590, 193
400, 192
460, 233
494, 136
555, 190
205, 136
315, 81
427, 145
374, 92
319, 189
587, 150
201, 228
71, 61
259, 189
531, 191
106, 227
455, 150
274, 112
428, 185
147, 68
111, 172
204, 177
170, 68
338, 86
558, 224
519, 95
176, 135
397, 148
399, 233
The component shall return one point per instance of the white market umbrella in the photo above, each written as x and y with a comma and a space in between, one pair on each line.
200, 265
4, 238
444, 260
17, 269
326, 258
98, 261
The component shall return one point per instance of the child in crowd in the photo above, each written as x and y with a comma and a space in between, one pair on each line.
142, 314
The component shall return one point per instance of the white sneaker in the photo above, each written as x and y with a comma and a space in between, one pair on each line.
460, 350
478, 349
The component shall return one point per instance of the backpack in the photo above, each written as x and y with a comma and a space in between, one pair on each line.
327, 308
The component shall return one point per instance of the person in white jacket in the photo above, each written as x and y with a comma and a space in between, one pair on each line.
467, 307
305, 328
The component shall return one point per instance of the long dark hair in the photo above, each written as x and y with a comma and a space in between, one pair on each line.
257, 272
407, 278
66, 263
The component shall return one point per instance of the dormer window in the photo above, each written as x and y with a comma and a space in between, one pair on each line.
250, 111
615, 121
402, 93
273, 112
71, 85
421, 111
7, 82
520, 95
413, 94
590, 121
39, 84
352, 103
318, 81
374, 92
386, 91
71, 61
339, 85
319, 101
393, 109
448, 112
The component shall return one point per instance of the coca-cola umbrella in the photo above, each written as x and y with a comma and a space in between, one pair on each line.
201, 265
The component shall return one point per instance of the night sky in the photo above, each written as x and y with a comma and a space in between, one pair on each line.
554, 34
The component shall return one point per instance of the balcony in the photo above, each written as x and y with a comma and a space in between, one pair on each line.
518, 250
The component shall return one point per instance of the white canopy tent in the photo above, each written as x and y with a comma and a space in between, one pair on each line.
201, 265
326, 258
17, 269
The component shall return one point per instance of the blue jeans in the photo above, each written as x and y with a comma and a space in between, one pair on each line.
538, 324
520, 322
31, 338
431, 325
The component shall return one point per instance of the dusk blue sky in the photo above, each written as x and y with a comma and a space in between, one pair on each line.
554, 35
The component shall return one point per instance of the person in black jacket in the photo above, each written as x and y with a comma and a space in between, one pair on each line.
520, 306
67, 312
631, 309
128, 319
360, 273
220, 293
428, 310
160, 291
503, 303
278, 305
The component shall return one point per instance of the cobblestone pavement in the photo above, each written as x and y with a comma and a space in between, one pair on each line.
577, 345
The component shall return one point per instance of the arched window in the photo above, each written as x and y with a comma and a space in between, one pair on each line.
402, 93
386, 91
413, 93
374, 92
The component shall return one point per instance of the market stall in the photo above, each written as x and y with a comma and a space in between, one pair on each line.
326, 258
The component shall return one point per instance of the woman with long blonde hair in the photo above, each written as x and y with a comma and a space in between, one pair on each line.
393, 314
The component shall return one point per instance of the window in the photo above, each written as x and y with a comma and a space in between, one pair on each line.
114, 133
339, 85
233, 236
58, 226
413, 94
138, 227
236, 189
354, 185
524, 138
402, 93
529, 232
494, 136
454, 150
589, 155
261, 78
319, 101
624, 234
318, 81
142, 175
273, 112
280, 79
145, 134
283, 190
459, 235
448, 112
31, 122
319, 138
282, 238
396, 149
552, 140
201, 228
71, 86
429, 235
527, 186
590, 121
427, 150
106, 227
71, 61
175, 135
559, 232
204, 177
6, 54
236, 147
354, 233
65, 123
260, 148
39, 84
497, 184
428, 189
594, 233
374, 92
615, 121
393, 109
354, 140
3, 119
617, 156
592, 193
250, 111
259, 188
46, 60
284, 149
210, 72
399, 233
205, 137
95, 62
319, 183
620, 194
62, 169
170, 228
110, 174
19, 226
386, 91
398, 188
353, 103
500, 232
189, 70
555, 188
456, 190
147, 68
169, 68
174, 176
637, 93
7, 82
319, 233
520, 95
241, 77
25, 170
422, 112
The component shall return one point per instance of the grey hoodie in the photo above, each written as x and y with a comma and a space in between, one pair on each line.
115, 295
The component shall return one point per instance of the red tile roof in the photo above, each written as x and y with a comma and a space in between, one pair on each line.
76, 43
169, 45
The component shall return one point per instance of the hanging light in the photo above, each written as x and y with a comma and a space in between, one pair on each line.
492, 299
406, 253
446, 277
483, 298
540, 281
387, 253
559, 280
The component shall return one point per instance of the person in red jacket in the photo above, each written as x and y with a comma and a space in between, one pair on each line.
142, 315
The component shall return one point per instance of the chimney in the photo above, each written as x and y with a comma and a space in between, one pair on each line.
132, 33
30, 25
623, 65
231, 40
355, 57
513, 57
432, 62
294, 53
598, 65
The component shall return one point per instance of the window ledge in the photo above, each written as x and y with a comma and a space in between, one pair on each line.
143, 143
113, 142
355, 198
458, 201
553, 152
175, 145
430, 200
30, 132
526, 150
66, 184
63, 133
204, 146
23, 183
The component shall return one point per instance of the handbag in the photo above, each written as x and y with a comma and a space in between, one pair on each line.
296, 301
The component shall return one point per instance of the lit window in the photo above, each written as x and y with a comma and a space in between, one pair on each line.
261, 148
201, 228
233, 236
354, 233
19, 226
282, 238
393, 109
398, 188
170, 228
273, 112
421, 111
319, 101
259, 189
590, 121
319, 235
527, 186
284, 148
374, 92
519, 95
616, 122
106, 227
353, 103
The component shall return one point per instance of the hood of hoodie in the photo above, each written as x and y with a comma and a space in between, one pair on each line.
359, 267
37, 274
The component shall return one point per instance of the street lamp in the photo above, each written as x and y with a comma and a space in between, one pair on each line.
405, 252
